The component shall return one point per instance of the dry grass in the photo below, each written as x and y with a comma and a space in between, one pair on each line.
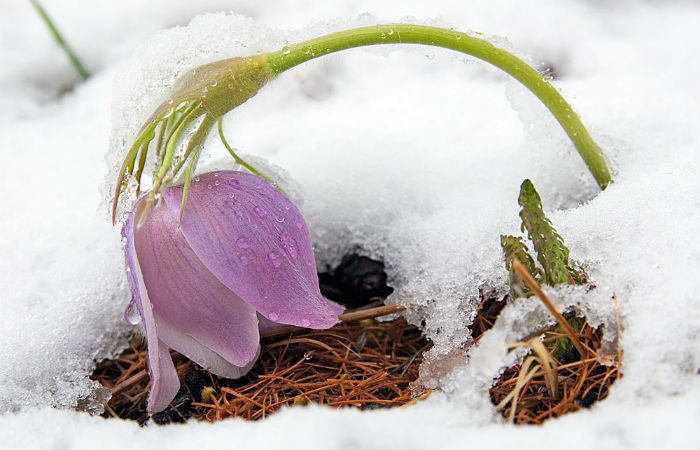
358, 363
365, 364
580, 384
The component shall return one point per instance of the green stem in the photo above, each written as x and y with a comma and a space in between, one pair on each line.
64, 45
592, 155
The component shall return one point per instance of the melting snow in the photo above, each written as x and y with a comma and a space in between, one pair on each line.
414, 157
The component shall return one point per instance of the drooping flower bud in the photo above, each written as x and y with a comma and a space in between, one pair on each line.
242, 251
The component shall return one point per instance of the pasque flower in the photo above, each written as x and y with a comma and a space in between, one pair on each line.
240, 260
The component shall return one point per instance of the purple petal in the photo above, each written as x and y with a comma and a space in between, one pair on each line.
187, 296
198, 353
164, 381
255, 241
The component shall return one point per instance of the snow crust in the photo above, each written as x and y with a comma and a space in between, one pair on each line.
410, 155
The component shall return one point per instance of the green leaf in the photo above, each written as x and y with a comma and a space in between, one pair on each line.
515, 248
563, 347
552, 254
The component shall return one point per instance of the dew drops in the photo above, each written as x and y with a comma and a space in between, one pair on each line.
286, 50
132, 315
260, 212
279, 219
273, 317
305, 323
213, 83
196, 179
242, 242
274, 259
289, 245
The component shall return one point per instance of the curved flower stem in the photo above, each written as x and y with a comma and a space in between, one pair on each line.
592, 155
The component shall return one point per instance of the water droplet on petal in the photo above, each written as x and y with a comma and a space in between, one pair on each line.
305, 322
260, 212
273, 317
274, 259
132, 315
279, 219
289, 245
242, 242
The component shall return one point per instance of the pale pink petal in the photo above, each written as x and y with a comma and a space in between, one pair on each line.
198, 353
164, 381
187, 296
255, 241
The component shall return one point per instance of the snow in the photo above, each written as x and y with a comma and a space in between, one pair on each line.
415, 157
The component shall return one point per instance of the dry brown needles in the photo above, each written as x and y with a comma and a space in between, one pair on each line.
360, 363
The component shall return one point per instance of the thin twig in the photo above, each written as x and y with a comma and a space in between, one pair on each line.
347, 317
534, 287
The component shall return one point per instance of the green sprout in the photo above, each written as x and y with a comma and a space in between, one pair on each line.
202, 97
552, 253
77, 65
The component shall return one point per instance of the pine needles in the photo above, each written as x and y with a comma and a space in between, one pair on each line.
364, 364
568, 351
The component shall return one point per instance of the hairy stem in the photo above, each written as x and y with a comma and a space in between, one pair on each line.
592, 155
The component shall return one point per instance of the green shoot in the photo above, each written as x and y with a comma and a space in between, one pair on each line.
552, 254
60, 41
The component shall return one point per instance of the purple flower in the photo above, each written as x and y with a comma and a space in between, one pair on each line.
242, 258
